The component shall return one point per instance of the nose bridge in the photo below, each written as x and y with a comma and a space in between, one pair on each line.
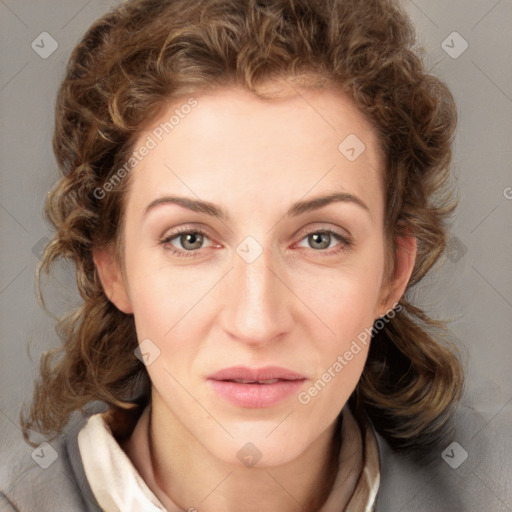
257, 302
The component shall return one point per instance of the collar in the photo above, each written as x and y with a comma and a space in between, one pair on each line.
118, 487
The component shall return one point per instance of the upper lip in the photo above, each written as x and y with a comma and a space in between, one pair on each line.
256, 374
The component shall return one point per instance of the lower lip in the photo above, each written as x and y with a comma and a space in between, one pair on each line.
256, 395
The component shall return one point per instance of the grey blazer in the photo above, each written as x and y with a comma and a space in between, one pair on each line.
63, 486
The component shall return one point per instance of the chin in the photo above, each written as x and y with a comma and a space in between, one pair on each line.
256, 448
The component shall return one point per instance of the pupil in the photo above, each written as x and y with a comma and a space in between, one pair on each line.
317, 238
190, 238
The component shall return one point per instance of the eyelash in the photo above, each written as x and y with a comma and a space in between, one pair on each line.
346, 244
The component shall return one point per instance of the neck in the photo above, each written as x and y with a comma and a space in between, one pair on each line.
163, 456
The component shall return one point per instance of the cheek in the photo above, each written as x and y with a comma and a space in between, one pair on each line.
161, 296
344, 299
341, 356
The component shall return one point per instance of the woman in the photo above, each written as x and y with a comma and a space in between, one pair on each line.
249, 190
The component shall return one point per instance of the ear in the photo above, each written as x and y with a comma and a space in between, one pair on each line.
112, 279
394, 288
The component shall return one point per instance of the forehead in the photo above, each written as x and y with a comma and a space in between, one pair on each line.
230, 143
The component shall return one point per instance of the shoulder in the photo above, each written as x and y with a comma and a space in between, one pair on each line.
407, 484
51, 478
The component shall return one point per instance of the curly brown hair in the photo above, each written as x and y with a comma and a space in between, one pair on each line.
144, 53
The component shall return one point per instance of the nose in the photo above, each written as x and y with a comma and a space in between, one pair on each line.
257, 308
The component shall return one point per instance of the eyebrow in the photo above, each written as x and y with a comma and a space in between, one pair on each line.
298, 208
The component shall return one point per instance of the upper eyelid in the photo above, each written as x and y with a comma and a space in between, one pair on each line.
336, 231
183, 231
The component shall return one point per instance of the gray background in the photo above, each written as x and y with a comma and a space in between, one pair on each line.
473, 288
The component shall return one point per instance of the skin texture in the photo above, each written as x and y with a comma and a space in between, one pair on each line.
295, 306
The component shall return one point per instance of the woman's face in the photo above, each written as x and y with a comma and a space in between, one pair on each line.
269, 274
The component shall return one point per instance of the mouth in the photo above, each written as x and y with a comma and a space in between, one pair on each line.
243, 381
260, 375
256, 388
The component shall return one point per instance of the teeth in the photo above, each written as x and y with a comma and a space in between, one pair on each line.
243, 381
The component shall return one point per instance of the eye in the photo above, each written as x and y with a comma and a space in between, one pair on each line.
185, 242
320, 240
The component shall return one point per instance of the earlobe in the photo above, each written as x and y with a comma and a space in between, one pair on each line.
112, 279
406, 249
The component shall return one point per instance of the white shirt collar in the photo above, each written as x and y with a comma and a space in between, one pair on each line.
118, 487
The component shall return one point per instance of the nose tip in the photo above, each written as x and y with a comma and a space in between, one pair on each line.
256, 307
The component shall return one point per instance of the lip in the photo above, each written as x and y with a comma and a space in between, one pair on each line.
265, 373
256, 395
